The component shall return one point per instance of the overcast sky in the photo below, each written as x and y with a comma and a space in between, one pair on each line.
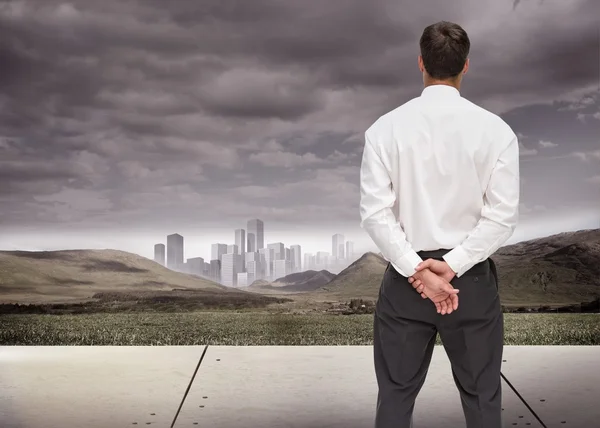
123, 121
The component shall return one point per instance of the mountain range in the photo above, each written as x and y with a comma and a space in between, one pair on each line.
559, 269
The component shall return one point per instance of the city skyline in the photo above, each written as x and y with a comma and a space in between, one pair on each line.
192, 116
231, 264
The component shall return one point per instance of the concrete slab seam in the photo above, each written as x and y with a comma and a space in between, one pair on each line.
189, 386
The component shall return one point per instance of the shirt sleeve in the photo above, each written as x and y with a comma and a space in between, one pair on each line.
499, 215
377, 197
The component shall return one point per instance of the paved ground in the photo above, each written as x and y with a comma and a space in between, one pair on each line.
275, 386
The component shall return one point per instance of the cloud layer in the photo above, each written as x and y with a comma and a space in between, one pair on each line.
137, 113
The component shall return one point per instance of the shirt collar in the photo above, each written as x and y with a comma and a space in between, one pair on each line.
440, 90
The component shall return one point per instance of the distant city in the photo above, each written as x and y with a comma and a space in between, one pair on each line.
248, 260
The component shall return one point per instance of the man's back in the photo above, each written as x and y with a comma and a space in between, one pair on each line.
440, 151
439, 178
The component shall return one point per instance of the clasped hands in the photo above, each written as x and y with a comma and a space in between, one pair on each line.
432, 281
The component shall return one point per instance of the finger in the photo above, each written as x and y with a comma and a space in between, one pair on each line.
450, 290
454, 298
411, 279
438, 306
423, 296
444, 307
421, 288
449, 304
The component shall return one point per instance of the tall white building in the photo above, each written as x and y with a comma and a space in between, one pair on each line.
195, 266
288, 255
278, 249
251, 256
341, 254
230, 267
350, 250
267, 255
159, 253
233, 249
242, 279
336, 241
256, 234
253, 270
214, 271
281, 268
307, 261
217, 250
240, 241
296, 258
322, 259
174, 251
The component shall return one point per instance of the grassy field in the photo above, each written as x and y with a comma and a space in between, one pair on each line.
251, 328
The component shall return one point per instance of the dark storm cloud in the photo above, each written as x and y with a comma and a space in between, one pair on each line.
204, 108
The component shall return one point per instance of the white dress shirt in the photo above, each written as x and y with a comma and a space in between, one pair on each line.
439, 172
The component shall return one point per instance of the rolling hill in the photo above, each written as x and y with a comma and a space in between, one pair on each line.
309, 280
75, 275
559, 269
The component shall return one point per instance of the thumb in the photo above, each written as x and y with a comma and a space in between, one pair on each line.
424, 265
450, 289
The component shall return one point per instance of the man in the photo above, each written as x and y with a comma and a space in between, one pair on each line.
439, 182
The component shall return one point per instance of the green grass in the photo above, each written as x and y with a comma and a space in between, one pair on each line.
246, 328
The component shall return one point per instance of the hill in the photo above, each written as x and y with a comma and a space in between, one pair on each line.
559, 269
309, 280
359, 280
75, 275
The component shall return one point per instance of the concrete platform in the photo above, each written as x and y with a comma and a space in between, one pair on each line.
93, 387
308, 387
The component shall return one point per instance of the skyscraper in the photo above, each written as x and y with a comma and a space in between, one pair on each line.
240, 241
336, 240
350, 250
230, 267
278, 250
233, 249
252, 256
296, 258
341, 252
217, 250
253, 270
159, 253
322, 259
251, 242
287, 254
214, 271
281, 268
242, 279
195, 266
307, 261
256, 234
267, 255
174, 251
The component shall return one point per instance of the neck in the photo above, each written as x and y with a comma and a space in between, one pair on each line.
454, 83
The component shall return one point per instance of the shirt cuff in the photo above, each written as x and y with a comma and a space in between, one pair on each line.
458, 260
407, 263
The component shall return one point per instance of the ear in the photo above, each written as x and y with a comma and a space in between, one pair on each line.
420, 62
466, 67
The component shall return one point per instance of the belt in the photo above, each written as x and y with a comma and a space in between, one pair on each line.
433, 254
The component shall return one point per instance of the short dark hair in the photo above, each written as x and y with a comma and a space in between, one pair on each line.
444, 48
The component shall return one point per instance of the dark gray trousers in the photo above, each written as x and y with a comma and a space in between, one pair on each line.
405, 330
